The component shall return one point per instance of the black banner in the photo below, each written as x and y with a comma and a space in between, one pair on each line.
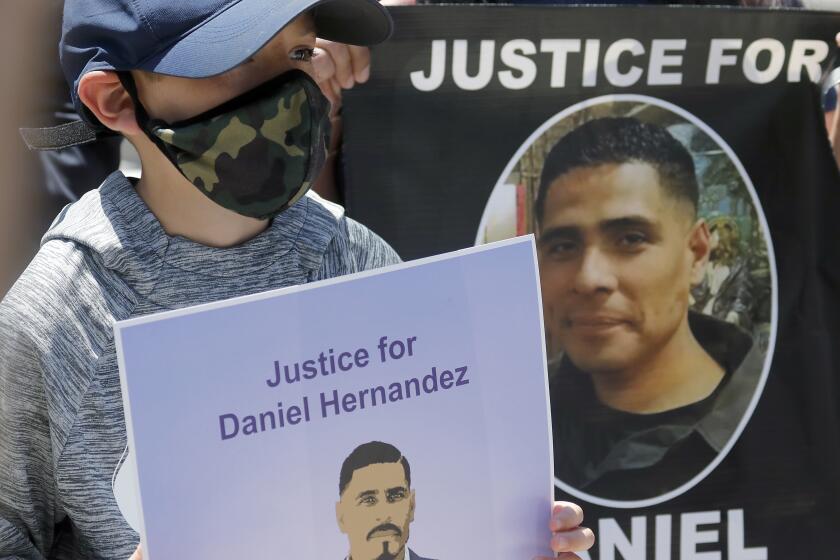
675, 167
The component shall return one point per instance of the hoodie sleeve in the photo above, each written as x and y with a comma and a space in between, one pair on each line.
47, 347
368, 249
27, 488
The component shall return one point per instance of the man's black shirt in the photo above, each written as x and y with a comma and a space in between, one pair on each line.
625, 456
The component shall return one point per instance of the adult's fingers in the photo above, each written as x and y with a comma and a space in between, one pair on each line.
342, 61
360, 61
568, 535
574, 540
335, 97
561, 556
337, 129
565, 515
323, 65
332, 91
352, 63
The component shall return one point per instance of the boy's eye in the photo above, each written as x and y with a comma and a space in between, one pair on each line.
302, 54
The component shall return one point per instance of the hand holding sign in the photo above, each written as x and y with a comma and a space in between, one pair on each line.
568, 536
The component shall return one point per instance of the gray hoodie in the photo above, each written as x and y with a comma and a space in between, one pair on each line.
106, 258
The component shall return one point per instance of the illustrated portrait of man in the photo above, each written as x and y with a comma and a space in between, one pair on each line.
647, 392
376, 503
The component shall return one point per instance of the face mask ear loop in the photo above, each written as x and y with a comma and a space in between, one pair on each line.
141, 116
131, 88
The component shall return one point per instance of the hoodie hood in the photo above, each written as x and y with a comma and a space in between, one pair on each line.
120, 232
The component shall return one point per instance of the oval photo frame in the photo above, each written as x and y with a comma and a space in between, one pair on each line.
506, 214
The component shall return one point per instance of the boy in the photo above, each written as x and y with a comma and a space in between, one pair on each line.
221, 211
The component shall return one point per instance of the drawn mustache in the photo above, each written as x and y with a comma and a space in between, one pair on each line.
384, 528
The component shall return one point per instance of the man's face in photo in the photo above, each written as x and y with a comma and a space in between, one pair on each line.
375, 511
618, 254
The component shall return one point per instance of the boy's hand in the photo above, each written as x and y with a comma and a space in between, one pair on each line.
567, 535
138, 554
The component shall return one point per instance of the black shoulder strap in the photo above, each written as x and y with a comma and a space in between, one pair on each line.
65, 135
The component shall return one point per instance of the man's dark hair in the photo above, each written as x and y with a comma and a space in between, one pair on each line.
371, 453
621, 140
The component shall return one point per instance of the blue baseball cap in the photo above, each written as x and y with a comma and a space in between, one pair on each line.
197, 38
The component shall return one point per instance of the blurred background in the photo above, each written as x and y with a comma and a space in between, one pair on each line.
28, 42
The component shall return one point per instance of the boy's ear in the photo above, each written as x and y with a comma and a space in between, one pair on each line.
103, 94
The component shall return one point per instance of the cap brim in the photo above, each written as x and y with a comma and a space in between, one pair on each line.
355, 22
239, 31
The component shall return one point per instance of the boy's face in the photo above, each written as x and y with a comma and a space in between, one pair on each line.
174, 99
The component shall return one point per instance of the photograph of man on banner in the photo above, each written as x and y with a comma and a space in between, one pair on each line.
656, 294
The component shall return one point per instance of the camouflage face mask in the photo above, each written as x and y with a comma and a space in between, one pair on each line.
256, 154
